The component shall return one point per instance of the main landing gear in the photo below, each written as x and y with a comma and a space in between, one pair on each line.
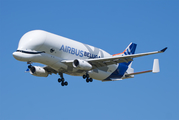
65, 83
87, 78
62, 80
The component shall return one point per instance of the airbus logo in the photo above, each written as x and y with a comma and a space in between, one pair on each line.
77, 52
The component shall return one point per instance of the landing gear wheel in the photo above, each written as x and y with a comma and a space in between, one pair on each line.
62, 80
66, 83
91, 80
62, 84
59, 80
87, 80
84, 76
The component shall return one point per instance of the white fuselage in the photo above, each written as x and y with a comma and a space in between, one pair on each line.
50, 49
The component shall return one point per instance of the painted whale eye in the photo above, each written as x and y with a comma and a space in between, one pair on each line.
52, 50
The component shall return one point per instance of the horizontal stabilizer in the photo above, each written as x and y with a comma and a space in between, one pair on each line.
155, 69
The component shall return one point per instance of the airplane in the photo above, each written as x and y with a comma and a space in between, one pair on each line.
66, 56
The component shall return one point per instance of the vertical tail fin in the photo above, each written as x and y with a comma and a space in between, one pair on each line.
129, 50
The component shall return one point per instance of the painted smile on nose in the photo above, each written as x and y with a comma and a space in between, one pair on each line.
25, 55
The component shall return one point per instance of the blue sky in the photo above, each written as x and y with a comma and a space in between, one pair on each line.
110, 25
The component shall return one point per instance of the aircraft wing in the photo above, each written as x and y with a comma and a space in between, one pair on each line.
50, 70
100, 62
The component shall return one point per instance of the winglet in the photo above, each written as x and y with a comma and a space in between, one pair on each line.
156, 68
163, 50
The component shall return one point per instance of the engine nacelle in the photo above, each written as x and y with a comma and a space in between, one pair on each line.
81, 64
38, 71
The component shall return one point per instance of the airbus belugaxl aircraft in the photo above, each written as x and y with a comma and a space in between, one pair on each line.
63, 55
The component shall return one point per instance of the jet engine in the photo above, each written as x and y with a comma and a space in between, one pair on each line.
81, 64
38, 71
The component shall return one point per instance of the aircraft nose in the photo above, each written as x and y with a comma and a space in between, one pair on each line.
16, 55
